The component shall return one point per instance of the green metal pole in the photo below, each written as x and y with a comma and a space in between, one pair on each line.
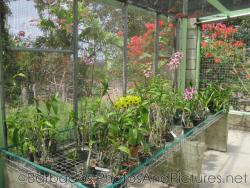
198, 57
3, 139
125, 47
216, 4
156, 46
75, 64
183, 47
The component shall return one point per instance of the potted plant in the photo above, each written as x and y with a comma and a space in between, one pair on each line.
177, 117
145, 153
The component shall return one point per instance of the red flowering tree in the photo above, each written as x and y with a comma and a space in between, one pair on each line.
141, 48
218, 43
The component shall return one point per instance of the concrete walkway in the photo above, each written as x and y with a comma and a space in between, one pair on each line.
232, 167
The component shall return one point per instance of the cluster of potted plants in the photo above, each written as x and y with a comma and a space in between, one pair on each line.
137, 125
125, 132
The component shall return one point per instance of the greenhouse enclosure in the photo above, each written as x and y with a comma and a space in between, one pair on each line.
120, 93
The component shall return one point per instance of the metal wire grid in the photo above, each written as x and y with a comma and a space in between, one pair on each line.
217, 73
27, 174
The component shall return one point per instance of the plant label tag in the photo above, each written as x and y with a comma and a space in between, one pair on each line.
174, 135
102, 169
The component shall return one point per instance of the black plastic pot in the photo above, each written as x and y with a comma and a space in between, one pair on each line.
53, 146
83, 154
197, 121
143, 157
176, 120
187, 129
93, 171
168, 137
211, 108
31, 157
121, 184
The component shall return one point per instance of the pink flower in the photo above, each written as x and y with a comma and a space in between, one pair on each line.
87, 60
189, 93
148, 73
21, 34
119, 34
175, 61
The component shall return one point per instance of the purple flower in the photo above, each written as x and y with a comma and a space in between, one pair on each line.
175, 60
189, 93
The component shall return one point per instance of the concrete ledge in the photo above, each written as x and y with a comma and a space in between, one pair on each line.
216, 135
239, 120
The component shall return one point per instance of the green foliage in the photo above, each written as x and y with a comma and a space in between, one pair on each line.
29, 127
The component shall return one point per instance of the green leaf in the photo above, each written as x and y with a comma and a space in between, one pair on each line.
124, 149
16, 136
20, 75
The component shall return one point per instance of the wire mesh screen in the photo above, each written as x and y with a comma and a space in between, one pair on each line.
40, 24
225, 59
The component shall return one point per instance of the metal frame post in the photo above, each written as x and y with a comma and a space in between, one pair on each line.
198, 57
156, 45
125, 47
75, 63
3, 135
